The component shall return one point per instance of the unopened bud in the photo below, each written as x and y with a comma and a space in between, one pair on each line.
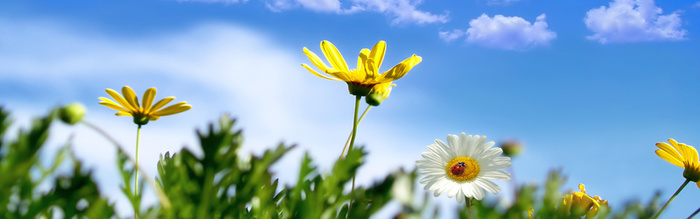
512, 148
72, 113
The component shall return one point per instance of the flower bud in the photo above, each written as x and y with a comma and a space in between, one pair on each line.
72, 113
511, 148
379, 93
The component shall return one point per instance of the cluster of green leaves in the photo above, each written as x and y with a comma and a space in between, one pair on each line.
222, 183
549, 204
22, 174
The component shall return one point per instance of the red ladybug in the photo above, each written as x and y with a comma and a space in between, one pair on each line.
458, 168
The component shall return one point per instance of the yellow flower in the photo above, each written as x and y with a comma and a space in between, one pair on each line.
681, 155
361, 80
129, 105
379, 93
580, 203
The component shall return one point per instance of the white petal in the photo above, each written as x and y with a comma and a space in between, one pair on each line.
447, 156
488, 185
453, 190
468, 189
469, 147
453, 141
423, 163
479, 193
439, 151
488, 155
431, 157
495, 174
463, 142
460, 197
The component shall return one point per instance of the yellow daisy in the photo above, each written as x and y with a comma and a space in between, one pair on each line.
128, 105
361, 80
681, 155
580, 203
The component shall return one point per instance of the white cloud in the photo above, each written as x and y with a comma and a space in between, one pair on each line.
449, 36
633, 21
404, 11
314, 5
508, 33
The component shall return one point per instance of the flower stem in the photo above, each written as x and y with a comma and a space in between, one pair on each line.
162, 198
354, 122
136, 179
694, 213
671, 199
352, 143
469, 208
347, 143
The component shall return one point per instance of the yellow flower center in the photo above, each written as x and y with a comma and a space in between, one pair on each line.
462, 169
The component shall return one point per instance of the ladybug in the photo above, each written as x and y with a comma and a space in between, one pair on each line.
458, 168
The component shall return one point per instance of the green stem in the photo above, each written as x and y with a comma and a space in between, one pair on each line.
162, 198
347, 143
354, 122
671, 199
694, 213
136, 179
469, 208
352, 143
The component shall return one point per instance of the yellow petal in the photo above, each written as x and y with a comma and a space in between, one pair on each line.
153, 118
174, 109
671, 151
667, 157
316, 60
698, 184
130, 97
109, 103
400, 69
343, 76
334, 56
122, 114
317, 74
148, 97
673, 142
685, 151
377, 53
364, 54
118, 97
693, 154
161, 103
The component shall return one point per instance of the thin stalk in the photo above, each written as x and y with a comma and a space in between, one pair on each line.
694, 213
671, 199
354, 121
469, 208
347, 143
136, 179
352, 143
162, 198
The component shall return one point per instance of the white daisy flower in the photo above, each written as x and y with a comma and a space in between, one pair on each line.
464, 167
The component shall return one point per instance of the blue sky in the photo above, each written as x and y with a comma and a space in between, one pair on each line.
588, 86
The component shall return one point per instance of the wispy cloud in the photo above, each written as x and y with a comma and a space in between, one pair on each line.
507, 33
401, 11
633, 21
449, 36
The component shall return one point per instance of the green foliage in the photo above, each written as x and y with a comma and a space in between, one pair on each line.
222, 183
71, 195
